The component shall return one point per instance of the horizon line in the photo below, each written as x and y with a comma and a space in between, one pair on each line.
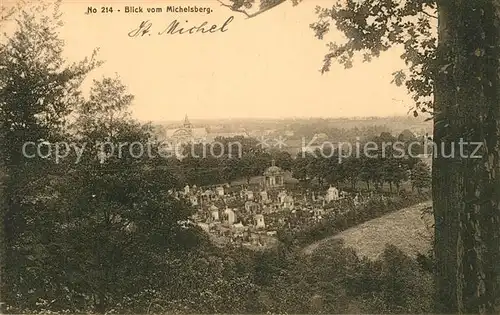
288, 118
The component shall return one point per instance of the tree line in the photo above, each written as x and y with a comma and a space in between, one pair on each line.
323, 166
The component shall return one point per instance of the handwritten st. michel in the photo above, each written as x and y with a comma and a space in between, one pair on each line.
175, 27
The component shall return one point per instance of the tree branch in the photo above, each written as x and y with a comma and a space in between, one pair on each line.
430, 15
233, 9
252, 14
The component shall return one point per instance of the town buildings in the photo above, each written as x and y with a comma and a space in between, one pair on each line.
187, 133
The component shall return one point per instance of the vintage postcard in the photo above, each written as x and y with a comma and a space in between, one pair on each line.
249, 156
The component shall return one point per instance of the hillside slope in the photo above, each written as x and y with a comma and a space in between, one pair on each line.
407, 229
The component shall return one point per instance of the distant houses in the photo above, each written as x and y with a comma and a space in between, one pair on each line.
187, 133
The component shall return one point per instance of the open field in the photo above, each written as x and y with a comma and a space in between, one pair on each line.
408, 229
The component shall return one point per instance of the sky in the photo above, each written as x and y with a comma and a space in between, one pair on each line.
264, 67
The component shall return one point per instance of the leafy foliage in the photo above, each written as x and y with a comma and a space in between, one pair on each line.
420, 176
37, 92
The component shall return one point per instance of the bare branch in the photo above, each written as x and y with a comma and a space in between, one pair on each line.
430, 15
233, 9
252, 14
268, 8
6, 13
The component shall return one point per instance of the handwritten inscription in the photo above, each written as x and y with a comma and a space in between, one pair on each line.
176, 27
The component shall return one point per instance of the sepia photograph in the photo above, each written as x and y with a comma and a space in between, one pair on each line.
250, 157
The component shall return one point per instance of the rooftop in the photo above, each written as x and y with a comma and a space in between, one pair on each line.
273, 170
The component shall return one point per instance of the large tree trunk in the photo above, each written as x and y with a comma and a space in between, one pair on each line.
466, 189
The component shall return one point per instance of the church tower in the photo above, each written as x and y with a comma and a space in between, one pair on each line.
187, 124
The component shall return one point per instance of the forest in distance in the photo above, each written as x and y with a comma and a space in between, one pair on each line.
139, 234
